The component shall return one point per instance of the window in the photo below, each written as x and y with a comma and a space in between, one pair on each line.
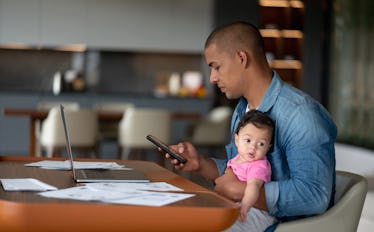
351, 97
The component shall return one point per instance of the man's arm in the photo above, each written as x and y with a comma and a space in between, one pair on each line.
228, 185
306, 147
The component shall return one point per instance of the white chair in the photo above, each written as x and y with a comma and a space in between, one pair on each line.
212, 131
48, 105
112, 106
82, 126
344, 216
108, 131
137, 123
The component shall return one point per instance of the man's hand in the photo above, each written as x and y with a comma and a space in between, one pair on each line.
189, 152
195, 161
230, 186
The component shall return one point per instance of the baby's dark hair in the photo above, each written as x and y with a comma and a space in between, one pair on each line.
258, 119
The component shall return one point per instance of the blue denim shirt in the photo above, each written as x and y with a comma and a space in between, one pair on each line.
303, 156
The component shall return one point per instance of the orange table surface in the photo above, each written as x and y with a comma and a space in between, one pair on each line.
27, 211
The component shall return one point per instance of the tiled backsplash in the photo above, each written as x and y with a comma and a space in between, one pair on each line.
31, 70
104, 71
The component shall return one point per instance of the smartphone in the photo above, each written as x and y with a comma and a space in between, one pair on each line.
166, 148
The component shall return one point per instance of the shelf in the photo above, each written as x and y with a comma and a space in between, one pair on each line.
274, 3
289, 70
281, 3
283, 44
276, 33
281, 26
282, 14
270, 33
286, 64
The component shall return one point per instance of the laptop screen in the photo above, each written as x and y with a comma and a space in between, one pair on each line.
68, 145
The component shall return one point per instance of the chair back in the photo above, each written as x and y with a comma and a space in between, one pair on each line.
137, 123
214, 129
113, 106
344, 216
47, 105
82, 125
220, 114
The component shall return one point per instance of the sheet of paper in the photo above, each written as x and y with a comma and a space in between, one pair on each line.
121, 193
125, 187
152, 199
25, 184
65, 165
84, 193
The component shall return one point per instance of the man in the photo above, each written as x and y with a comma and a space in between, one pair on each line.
303, 156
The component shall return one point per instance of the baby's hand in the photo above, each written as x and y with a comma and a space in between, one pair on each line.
243, 212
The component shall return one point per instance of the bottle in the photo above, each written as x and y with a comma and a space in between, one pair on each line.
57, 83
174, 84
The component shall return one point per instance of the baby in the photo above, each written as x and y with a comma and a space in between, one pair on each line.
253, 138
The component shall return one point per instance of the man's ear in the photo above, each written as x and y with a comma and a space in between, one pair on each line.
244, 58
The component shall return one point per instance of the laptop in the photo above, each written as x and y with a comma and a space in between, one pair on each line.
99, 175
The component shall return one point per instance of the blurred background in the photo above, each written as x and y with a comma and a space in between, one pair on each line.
149, 53
116, 55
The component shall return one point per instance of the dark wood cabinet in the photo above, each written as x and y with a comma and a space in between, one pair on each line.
281, 25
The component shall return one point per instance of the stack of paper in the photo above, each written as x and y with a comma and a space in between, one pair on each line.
149, 194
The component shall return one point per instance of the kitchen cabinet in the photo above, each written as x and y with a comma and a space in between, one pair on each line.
41, 23
281, 25
19, 22
162, 25
63, 23
168, 25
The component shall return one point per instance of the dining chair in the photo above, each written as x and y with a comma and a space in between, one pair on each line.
212, 131
344, 216
136, 124
83, 130
48, 105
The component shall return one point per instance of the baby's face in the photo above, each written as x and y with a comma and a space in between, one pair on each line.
253, 143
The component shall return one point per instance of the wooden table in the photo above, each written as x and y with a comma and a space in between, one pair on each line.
27, 211
36, 115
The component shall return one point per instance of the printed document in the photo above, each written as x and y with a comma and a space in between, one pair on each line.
147, 194
25, 184
65, 165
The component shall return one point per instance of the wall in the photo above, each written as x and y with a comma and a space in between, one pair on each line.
158, 25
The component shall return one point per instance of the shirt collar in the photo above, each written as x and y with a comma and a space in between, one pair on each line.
271, 94
270, 97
